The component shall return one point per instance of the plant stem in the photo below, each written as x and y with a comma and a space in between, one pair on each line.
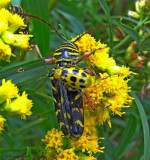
141, 22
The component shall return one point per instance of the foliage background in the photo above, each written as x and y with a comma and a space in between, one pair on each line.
129, 136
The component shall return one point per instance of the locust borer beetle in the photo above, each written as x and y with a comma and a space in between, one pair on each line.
68, 82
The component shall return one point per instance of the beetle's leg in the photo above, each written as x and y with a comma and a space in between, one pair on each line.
14, 49
48, 61
93, 74
87, 54
89, 100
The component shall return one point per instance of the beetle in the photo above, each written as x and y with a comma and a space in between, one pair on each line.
68, 82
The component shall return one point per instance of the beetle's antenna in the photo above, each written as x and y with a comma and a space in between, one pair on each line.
52, 27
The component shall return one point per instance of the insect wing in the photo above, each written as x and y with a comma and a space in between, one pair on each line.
68, 106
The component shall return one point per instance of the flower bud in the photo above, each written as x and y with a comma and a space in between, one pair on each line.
133, 14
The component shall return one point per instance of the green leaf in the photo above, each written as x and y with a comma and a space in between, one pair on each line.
107, 12
144, 125
51, 4
28, 154
29, 126
145, 44
130, 31
76, 24
127, 136
40, 30
64, 32
31, 70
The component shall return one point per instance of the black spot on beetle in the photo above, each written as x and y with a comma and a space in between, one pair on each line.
73, 84
81, 86
83, 74
75, 71
64, 80
64, 73
82, 81
72, 78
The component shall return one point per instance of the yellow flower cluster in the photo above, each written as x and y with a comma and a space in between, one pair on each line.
110, 93
87, 143
53, 139
4, 3
12, 103
9, 24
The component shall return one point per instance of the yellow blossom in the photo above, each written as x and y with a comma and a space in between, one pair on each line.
8, 90
19, 106
122, 71
2, 120
100, 58
5, 51
51, 154
67, 154
16, 40
101, 115
86, 43
4, 3
53, 139
95, 93
9, 24
88, 142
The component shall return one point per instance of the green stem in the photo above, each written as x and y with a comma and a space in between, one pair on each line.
141, 22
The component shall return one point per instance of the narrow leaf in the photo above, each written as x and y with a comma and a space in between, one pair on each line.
130, 31
31, 70
144, 124
127, 136
107, 12
28, 154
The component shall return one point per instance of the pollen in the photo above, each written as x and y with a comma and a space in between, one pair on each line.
53, 138
67, 154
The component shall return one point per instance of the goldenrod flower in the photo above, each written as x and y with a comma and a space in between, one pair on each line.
51, 154
8, 90
9, 24
88, 142
110, 94
19, 106
85, 43
16, 40
4, 3
5, 51
67, 154
53, 139
122, 71
2, 120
